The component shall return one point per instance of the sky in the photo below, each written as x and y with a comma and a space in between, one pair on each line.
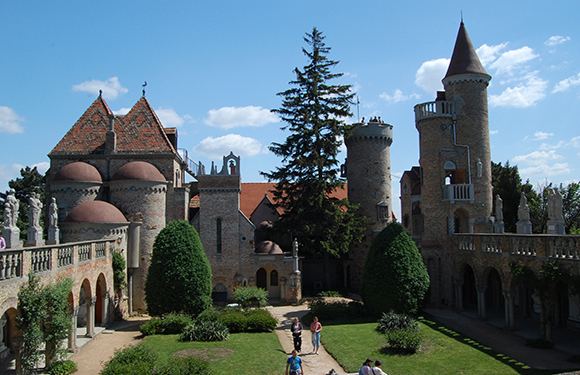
213, 71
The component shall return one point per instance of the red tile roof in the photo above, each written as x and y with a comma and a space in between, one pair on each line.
140, 131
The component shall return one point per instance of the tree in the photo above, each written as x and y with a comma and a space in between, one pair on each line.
31, 181
314, 111
395, 277
179, 277
57, 323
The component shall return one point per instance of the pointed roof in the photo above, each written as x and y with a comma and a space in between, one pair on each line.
464, 59
138, 132
88, 134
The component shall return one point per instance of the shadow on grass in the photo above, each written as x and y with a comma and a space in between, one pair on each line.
520, 367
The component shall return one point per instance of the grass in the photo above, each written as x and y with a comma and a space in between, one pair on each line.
444, 352
242, 353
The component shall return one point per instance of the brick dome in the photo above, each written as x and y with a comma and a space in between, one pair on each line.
268, 247
95, 212
138, 170
78, 171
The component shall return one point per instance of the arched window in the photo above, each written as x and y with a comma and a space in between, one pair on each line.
218, 238
274, 278
261, 278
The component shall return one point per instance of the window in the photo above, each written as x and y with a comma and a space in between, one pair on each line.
274, 278
218, 238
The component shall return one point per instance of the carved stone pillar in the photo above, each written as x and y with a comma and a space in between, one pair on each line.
90, 302
105, 308
72, 336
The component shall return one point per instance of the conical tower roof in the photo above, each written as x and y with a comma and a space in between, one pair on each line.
464, 59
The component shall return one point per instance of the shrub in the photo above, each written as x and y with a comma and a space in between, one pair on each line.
255, 320
326, 310
179, 277
184, 366
119, 264
62, 368
205, 331
539, 343
406, 340
329, 293
209, 315
395, 277
170, 324
251, 296
391, 322
133, 360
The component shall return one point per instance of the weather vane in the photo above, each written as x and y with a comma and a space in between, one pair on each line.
143, 85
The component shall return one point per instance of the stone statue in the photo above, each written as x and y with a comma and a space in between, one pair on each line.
558, 205
498, 208
295, 248
14, 206
551, 205
35, 210
523, 209
53, 213
7, 216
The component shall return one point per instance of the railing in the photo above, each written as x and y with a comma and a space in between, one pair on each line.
191, 165
458, 192
440, 108
543, 246
18, 262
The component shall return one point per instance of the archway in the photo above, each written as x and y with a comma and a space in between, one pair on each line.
562, 305
469, 297
461, 221
86, 311
8, 332
101, 304
494, 301
267, 277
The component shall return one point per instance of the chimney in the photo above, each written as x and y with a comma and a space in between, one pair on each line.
111, 140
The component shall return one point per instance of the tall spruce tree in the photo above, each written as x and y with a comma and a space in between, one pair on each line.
314, 110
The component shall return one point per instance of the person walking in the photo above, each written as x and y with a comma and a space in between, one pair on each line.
376, 370
315, 329
297, 334
294, 364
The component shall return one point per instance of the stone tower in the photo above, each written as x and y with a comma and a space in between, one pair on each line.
455, 159
368, 170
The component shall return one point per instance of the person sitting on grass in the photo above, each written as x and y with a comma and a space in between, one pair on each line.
376, 370
294, 363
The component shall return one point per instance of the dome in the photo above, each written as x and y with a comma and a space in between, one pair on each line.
268, 247
78, 171
138, 170
266, 224
95, 212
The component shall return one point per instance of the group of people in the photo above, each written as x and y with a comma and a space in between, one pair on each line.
294, 363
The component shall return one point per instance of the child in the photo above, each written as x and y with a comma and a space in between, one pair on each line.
295, 364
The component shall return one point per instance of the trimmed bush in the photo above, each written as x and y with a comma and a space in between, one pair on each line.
170, 324
326, 310
251, 296
329, 293
62, 368
406, 340
395, 277
205, 331
391, 322
209, 315
133, 360
255, 320
179, 277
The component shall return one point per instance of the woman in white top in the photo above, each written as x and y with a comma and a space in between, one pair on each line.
376, 370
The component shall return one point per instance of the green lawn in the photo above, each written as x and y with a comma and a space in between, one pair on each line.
242, 353
444, 352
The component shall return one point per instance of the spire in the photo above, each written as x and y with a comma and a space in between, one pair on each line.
464, 59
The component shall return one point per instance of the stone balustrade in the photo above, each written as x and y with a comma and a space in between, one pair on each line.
440, 108
540, 246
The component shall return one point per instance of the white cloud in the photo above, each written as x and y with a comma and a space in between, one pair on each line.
169, 118
10, 121
232, 117
555, 40
216, 148
488, 54
546, 170
492, 132
398, 96
11, 172
575, 142
111, 88
547, 146
122, 111
565, 84
430, 74
537, 157
540, 136
530, 90
511, 60
41, 167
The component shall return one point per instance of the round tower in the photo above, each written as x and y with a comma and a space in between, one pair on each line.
368, 171
139, 190
455, 157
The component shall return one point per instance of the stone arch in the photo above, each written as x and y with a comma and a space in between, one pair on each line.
86, 310
264, 280
461, 220
468, 279
101, 301
8, 330
491, 283
219, 293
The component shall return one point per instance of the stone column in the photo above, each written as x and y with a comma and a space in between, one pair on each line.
18, 343
105, 311
90, 302
72, 336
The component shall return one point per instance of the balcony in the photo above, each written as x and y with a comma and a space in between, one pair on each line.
458, 192
440, 108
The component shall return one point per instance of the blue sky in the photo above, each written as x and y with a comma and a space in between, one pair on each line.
213, 70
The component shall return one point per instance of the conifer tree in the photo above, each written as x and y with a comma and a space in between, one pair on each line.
314, 111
